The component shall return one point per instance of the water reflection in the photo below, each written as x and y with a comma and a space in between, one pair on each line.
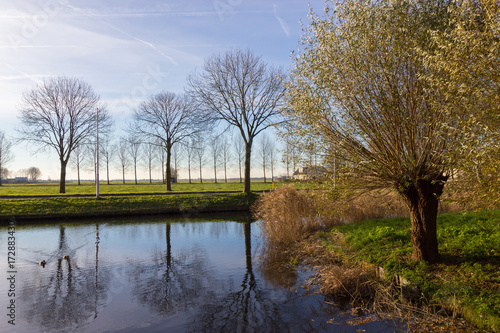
245, 308
151, 276
68, 295
169, 284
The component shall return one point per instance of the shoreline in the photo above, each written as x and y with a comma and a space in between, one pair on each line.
124, 213
61, 208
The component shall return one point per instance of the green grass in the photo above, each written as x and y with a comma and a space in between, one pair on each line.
88, 188
468, 278
64, 206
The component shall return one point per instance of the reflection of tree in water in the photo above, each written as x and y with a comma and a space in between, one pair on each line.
275, 265
171, 284
70, 296
246, 309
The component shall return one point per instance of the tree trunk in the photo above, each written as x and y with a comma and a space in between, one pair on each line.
248, 153
201, 178
62, 179
272, 169
264, 169
225, 173
215, 170
150, 178
241, 178
78, 173
135, 171
189, 170
123, 174
422, 200
107, 171
168, 177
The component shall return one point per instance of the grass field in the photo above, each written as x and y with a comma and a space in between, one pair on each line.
88, 188
466, 281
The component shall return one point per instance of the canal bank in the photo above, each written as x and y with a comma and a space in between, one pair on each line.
367, 265
43, 208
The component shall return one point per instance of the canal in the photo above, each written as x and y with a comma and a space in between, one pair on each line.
160, 275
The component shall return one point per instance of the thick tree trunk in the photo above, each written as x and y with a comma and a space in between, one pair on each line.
62, 179
248, 155
422, 200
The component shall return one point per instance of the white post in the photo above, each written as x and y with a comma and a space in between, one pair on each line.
97, 155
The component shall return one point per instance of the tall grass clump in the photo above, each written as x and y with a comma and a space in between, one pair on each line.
286, 215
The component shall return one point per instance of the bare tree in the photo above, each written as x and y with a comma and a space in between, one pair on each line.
272, 157
134, 152
122, 153
162, 158
176, 158
264, 153
239, 149
286, 156
166, 118
199, 149
189, 148
215, 150
79, 159
108, 151
34, 174
5, 154
60, 113
150, 157
4, 173
239, 88
225, 155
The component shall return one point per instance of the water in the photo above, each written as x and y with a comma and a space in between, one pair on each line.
154, 276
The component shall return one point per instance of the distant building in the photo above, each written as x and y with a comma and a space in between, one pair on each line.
17, 180
311, 172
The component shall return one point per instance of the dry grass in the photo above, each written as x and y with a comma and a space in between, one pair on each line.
289, 218
360, 291
287, 215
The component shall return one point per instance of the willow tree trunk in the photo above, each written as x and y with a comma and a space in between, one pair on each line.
248, 155
422, 200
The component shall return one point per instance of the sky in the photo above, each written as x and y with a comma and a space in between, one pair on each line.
128, 50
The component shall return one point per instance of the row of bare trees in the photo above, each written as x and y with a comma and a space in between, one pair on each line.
236, 89
219, 152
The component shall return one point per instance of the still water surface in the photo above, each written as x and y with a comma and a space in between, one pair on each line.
155, 276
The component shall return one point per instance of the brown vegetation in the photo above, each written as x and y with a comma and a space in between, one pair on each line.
289, 221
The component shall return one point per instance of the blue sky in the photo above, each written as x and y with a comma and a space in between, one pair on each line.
130, 49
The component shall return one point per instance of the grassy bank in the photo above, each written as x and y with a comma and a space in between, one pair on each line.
88, 188
466, 282
109, 206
